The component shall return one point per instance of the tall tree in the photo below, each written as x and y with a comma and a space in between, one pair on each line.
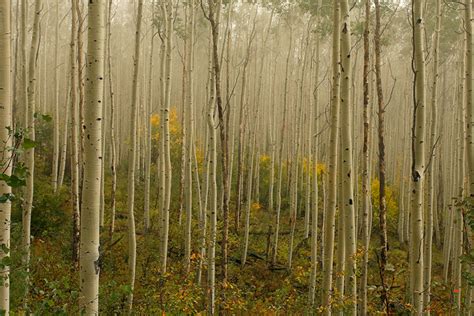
418, 156
430, 177
365, 165
74, 138
132, 156
347, 165
381, 139
168, 14
30, 154
89, 246
330, 212
214, 19
6, 142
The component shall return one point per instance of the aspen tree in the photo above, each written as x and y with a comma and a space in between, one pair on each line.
190, 132
74, 138
330, 212
166, 135
55, 166
365, 165
418, 163
5, 138
214, 19
30, 154
211, 263
431, 190
148, 111
249, 198
315, 152
382, 165
347, 164
89, 247
457, 223
280, 154
469, 94
64, 139
113, 146
132, 156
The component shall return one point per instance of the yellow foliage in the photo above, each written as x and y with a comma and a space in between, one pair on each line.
264, 159
256, 206
390, 198
155, 119
321, 168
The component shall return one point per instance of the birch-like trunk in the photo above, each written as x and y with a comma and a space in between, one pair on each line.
6, 142
89, 246
418, 164
330, 212
132, 156
30, 154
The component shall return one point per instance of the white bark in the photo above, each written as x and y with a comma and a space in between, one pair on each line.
89, 246
5, 139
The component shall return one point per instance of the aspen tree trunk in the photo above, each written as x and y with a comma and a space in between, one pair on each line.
64, 140
148, 112
30, 154
190, 133
347, 164
294, 184
381, 139
81, 19
211, 269
23, 89
249, 199
74, 139
458, 210
55, 166
214, 18
314, 168
468, 91
89, 248
6, 141
365, 166
166, 135
112, 124
280, 155
132, 156
330, 213
431, 190
418, 165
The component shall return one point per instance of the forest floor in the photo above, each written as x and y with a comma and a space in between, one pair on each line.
258, 288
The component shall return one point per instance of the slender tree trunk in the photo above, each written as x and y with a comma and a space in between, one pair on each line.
6, 140
433, 142
132, 156
211, 270
190, 133
166, 135
347, 164
112, 125
74, 139
365, 165
381, 139
89, 248
30, 154
330, 215
418, 149
314, 168
55, 166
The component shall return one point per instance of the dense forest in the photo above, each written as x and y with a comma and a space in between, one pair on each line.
236, 157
